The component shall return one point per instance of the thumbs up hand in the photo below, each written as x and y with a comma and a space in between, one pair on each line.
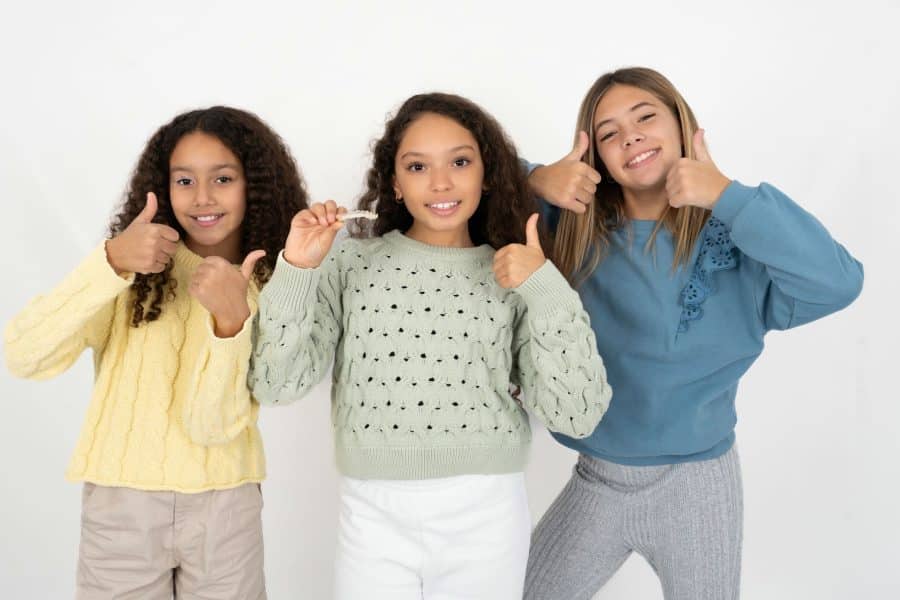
696, 182
222, 290
144, 246
569, 182
514, 263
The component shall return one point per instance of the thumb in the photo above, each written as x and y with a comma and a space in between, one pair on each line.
700, 150
146, 215
581, 146
532, 239
250, 263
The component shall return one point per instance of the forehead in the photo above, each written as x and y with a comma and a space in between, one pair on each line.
620, 99
433, 133
199, 150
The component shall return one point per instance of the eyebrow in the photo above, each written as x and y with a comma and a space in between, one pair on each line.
212, 168
633, 108
451, 151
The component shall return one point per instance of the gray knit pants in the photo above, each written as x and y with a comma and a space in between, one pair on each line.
685, 519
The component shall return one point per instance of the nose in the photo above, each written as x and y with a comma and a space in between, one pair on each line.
440, 180
203, 194
632, 137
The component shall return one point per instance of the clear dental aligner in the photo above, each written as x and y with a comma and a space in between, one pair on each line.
358, 214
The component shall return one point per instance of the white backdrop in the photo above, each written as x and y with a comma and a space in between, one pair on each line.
803, 95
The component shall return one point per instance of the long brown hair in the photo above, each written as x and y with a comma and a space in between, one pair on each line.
505, 205
274, 193
582, 241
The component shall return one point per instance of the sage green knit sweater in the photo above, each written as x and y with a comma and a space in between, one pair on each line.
425, 346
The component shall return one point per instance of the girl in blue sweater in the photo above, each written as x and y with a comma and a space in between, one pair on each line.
684, 271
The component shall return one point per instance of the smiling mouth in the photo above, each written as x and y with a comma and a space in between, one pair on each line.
444, 205
208, 220
443, 209
642, 158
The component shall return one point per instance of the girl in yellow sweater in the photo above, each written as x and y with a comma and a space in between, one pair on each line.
170, 454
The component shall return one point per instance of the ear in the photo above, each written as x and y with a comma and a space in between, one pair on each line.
398, 194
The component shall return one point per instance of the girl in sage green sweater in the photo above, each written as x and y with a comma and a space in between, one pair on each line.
431, 314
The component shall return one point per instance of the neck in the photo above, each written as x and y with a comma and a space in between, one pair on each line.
229, 249
645, 204
457, 238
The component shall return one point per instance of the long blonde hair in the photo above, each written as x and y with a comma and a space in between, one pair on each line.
582, 241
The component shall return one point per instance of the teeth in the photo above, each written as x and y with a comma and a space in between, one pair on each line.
641, 157
444, 205
207, 218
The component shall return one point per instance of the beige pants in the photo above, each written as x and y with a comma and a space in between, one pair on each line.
138, 545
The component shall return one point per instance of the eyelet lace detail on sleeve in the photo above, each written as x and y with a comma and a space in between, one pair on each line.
717, 253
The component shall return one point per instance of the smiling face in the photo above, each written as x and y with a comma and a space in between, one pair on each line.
637, 137
207, 191
439, 176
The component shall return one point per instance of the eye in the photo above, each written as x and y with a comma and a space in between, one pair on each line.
183, 181
607, 135
461, 162
646, 117
415, 167
224, 179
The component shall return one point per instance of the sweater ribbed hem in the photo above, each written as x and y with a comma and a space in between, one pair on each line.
385, 462
582, 446
150, 486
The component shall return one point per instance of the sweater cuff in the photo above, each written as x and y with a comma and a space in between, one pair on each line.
290, 288
237, 339
101, 275
732, 201
546, 289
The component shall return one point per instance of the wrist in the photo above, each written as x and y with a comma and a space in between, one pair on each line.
226, 326
111, 247
297, 262
723, 184
227, 329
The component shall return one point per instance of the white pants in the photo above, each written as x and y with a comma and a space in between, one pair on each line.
457, 538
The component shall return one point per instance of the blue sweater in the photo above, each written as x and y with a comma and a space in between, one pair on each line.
676, 343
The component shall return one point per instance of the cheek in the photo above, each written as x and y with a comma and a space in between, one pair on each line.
611, 160
180, 199
238, 200
474, 182
404, 183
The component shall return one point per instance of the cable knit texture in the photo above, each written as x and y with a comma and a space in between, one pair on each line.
171, 409
426, 345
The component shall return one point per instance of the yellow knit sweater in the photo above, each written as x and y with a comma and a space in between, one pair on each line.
170, 409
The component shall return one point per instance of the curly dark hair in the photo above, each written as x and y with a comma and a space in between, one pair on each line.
507, 201
274, 193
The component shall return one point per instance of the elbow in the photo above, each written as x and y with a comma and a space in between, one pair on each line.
269, 395
596, 403
582, 426
855, 285
14, 363
578, 427
847, 288
27, 369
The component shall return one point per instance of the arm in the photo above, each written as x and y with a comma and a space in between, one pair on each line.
298, 329
52, 330
219, 406
806, 274
556, 357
